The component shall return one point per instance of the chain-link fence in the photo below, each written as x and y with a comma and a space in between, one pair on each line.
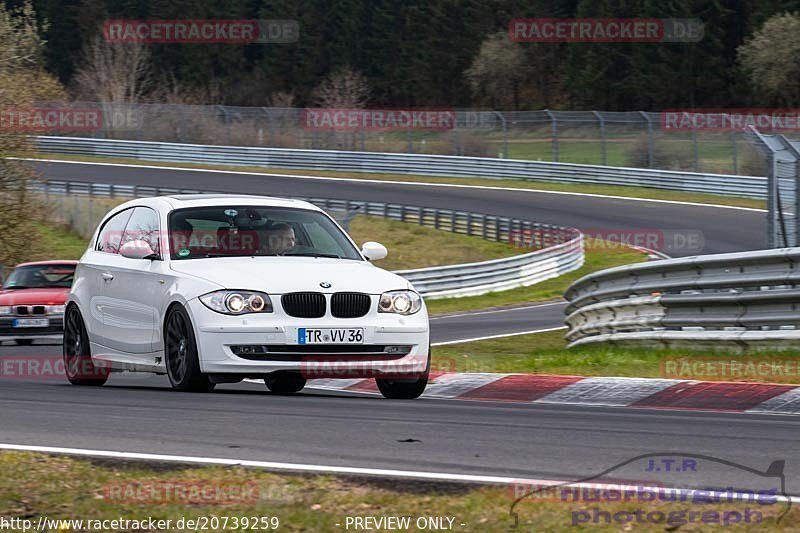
781, 164
627, 139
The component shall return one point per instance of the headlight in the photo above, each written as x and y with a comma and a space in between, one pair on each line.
5, 310
55, 309
400, 302
237, 302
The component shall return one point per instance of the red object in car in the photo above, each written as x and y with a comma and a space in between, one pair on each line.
32, 301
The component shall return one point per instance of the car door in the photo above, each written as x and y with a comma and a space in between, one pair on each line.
130, 287
94, 279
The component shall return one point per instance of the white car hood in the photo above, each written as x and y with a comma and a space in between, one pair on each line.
279, 275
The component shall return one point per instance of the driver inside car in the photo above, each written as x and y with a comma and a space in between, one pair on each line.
277, 239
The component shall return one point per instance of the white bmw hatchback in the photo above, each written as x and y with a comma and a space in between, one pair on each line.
218, 288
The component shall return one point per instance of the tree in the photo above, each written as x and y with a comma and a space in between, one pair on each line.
769, 59
115, 73
497, 71
344, 88
23, 81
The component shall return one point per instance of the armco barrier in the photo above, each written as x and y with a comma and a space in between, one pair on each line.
392, 163
553, 250
735, 299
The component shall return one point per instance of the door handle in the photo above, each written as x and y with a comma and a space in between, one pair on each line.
107, 276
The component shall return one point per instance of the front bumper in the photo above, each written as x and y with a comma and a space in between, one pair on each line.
393, 346
54, 331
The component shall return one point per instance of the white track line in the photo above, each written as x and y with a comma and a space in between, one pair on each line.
388, 182
500, 336
298, 467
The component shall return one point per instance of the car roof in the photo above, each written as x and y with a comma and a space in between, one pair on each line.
180, 201
51, 262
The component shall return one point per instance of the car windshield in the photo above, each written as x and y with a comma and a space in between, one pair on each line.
231, 231
40, 276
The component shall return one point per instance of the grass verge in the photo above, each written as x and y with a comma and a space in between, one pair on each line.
612, 190
414, 246
35, 485
56, 242
547, 353
599, 255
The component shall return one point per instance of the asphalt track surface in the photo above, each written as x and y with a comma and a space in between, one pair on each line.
243, 421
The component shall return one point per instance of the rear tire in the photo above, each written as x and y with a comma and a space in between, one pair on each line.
285, 382
78, 364
404, 389
180, 354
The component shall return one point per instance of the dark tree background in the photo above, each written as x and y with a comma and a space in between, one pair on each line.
416, 52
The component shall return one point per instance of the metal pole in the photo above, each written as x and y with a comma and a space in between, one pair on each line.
554, 136
796, 153
695, 151
603, 145
650, 141
227, 123
735, 153
505, 133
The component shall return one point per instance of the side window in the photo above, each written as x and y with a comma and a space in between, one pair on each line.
143, 226
110, 238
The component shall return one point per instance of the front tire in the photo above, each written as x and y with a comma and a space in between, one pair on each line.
78, 364
285, 382
180, 354
404, 389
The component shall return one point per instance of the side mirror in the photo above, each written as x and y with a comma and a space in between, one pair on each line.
137, 250
374, 251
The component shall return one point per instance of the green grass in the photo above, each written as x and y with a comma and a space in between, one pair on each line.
56, 487
546, 353
414, 246
598, 257
612, 190
56, 242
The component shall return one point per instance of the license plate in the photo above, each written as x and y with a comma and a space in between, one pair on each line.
330, 335
31, 322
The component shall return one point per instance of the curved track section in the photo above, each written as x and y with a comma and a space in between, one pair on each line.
723, 229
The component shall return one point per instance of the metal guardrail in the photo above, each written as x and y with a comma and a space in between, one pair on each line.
393, 163
555, 249
736, 299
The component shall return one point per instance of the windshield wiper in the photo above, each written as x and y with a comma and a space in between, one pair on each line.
312, 254
14, 287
